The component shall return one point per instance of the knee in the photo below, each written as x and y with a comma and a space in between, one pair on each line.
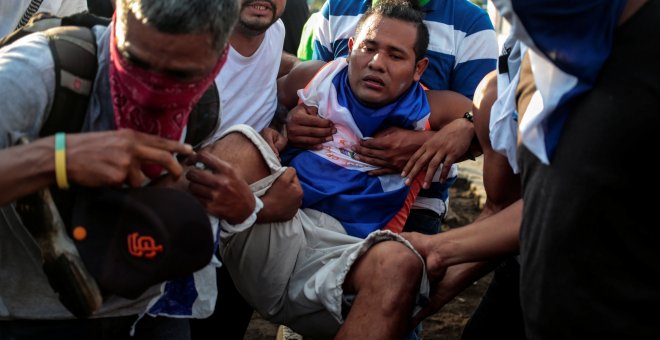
394, 263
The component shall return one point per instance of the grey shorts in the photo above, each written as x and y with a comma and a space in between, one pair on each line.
292, 272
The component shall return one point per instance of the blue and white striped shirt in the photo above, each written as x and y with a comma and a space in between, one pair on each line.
462, 47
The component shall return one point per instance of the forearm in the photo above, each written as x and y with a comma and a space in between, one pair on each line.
461, 276
267, 214
287, 63
486, 239
26, 169
446, 106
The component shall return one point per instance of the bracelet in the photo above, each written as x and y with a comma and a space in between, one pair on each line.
60, 160
468, 154
468, 115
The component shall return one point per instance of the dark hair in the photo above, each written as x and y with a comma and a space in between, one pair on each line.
190, 16
403, 10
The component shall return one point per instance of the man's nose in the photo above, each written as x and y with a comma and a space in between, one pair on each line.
377, 61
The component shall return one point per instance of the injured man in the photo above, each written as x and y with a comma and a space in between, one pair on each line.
321, 273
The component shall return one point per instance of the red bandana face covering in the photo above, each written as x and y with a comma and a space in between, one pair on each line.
150, 102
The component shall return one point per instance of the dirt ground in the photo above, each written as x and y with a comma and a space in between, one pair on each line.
448, 322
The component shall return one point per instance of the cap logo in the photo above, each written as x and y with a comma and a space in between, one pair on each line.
143, 246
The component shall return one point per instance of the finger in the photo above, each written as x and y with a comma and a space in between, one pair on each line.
311, 110
381, 172
304, 118
371, 160
135, 177
190, 159
372, 143
289, 174
446, 167
323, 133
202, 177
280, 143
202, 192
436, 162
411, 162
366, 152
163, 158
214, 163
273, 147
415, 164
162, 143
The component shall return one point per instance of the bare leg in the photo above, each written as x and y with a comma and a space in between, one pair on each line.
240, 152
385, 280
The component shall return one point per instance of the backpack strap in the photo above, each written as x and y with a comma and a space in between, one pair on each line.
74, 54
33, 7
204, 118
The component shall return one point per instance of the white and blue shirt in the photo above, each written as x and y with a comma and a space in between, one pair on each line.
565, 60
462, 50
333, 181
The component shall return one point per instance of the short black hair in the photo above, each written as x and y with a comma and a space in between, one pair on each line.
403, 10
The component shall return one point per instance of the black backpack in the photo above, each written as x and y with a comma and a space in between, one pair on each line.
73, 46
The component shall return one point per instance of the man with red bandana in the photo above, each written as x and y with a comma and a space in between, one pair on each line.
248, 93
154, 62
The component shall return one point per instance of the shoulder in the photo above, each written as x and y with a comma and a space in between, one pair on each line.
462, 15
277, 28
27, 86
345, 7
65, 7
305, 71
31, 51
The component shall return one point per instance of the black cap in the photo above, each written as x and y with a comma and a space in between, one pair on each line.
132, 239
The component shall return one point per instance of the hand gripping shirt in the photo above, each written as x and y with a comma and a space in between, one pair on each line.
333, 181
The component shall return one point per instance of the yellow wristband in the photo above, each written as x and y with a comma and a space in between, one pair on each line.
60, 160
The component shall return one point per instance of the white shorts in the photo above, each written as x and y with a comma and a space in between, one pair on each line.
292, 272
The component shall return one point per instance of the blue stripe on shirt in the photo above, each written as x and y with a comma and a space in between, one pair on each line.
467, 75
463, 15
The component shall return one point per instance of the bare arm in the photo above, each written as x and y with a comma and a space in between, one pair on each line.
305, 129
446, 106
393, 148
28, 168
457, 278
297, 78
485, 239
455, 258
287, 63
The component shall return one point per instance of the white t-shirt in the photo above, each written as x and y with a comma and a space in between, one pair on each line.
248, 85
11, 11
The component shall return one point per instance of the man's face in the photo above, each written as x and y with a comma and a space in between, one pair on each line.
258, 15
187, 57
381, 62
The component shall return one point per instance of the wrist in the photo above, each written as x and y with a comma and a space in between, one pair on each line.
233, 228
474, 149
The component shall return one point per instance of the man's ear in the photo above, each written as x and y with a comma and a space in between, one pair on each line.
351, 41
420, 67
